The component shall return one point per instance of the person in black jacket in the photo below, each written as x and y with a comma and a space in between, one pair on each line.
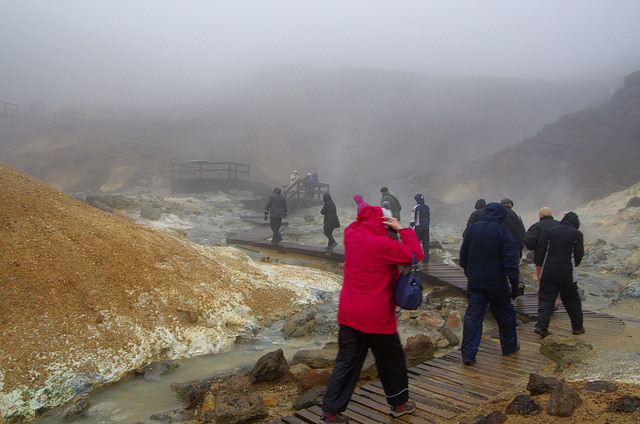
476, 215
562, 250
331, 221
513, 223
536, 232
275, 210
490, 261
420, 220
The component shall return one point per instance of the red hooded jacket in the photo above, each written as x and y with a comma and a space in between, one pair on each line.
371, 262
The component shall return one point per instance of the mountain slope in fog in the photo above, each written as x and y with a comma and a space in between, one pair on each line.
340, 123
582, 156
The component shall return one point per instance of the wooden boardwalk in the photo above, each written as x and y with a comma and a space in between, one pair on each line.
444, 388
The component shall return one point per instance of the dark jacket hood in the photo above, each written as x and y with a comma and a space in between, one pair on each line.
494, 212
277, 190
480, 203
326, 197
570, 218
419, 199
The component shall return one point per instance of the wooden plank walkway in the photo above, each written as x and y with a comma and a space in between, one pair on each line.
443, 388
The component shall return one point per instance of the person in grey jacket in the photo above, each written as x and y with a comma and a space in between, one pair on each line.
275, 210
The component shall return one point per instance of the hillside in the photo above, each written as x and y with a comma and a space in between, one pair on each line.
582, 156
88, 296
337, 122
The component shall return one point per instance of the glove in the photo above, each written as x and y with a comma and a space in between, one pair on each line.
266, 215
516, 290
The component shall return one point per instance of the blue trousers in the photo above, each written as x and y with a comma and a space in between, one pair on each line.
390, 361
502, 310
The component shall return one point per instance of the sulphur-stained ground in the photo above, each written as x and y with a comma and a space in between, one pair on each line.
89, 294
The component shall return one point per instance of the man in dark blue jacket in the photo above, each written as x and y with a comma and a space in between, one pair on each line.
490, 261
420, 220
275, 210
562, 250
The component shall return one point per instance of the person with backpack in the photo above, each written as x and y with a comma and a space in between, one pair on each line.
275, 210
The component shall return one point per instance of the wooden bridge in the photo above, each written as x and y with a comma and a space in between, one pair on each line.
443, 388
199, 176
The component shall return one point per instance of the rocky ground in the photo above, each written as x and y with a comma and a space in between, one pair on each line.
96, 295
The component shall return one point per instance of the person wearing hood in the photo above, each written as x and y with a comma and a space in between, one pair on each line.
360, 203
331, 221
476, 215
292, 179
367, 313
420, 219
536, 232
562, 251
489, 258
275, 210
393, 202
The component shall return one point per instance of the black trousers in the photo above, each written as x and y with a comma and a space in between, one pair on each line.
329, 233
547, 296
390, 360
423, 236
275, 228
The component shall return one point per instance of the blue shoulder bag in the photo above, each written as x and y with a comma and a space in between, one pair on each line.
408, 290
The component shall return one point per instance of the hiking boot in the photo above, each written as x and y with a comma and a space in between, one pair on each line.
335, 243
334, 418
580, 331
541, 332
468, 361
514, 352
406, 408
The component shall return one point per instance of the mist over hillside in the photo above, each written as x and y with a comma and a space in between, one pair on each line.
582, 156
352, 126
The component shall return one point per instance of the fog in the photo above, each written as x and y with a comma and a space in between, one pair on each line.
90, 52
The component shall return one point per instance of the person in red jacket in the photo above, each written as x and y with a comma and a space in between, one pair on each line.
367, 312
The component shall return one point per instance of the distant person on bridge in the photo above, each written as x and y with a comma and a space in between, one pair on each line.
331, 221
490, 261
367, 313
360, 203
513, 223
293, 178
420, 220
314, 184
275, 210
393, 201
562, 251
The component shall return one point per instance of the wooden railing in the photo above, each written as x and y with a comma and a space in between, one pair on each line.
203, 169
302, 189
9, 108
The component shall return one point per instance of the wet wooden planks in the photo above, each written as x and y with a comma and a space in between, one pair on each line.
444, 387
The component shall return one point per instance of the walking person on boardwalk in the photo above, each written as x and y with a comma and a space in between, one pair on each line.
490, 261
360, 203
393, 202
367, 313
331, 221
476, 215
420, 220
563, 249
535, 233
293, 178
275, 210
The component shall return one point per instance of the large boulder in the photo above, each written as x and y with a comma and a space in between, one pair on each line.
564, 351
418, 349
563, 401
270, 367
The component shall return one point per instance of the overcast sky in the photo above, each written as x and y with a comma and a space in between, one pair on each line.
78, 51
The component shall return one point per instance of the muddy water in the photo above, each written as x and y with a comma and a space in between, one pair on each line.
135, 398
